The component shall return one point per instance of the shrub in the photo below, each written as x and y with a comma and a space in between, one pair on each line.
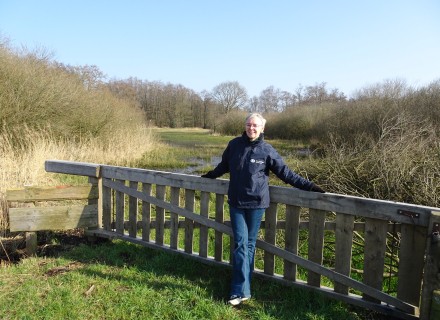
36, 93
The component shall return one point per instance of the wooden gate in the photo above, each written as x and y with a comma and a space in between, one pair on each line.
187, 215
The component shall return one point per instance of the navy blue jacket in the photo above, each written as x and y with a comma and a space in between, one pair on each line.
249, 163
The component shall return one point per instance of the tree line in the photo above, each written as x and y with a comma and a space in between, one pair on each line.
170, 105
309, 112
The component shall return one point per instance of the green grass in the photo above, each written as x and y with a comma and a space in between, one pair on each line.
133, 282
200, 150
183, 149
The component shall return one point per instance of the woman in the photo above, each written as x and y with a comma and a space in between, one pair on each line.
249, 159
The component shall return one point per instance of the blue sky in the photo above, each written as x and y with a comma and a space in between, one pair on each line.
199, 44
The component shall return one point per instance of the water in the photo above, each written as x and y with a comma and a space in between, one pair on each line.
199, 165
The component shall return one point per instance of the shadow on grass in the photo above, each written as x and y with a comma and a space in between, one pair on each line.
165, 272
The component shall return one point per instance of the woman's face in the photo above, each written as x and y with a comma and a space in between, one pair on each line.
254, 126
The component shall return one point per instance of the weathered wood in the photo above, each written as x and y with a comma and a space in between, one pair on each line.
316, 244
431, 274
369, 208
174, 218
75, 168
104, 205
31, 243
411, 262
160, 215
120, 210
168, 206
343, 247
30, 194
270, 237
178, 180
52, 218
372, 208
374, 254
189, 224
331, 226
204, 212
292, 239
132, 210
146, 213
218, 234
337, 277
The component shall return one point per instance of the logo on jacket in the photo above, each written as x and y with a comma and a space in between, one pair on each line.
257, 161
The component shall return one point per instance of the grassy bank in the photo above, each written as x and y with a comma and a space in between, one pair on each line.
117, 280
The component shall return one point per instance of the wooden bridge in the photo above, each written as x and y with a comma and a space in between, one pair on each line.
185, 214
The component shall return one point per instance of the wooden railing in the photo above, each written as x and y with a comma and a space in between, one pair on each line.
187, 215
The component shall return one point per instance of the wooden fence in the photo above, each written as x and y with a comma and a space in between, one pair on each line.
395, 243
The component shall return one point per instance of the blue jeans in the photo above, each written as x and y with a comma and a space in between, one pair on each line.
245, 225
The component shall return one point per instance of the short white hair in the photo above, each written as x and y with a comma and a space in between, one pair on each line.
256, 115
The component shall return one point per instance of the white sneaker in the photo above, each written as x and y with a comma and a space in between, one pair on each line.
235, 300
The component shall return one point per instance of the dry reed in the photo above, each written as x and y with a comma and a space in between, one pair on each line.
25, 165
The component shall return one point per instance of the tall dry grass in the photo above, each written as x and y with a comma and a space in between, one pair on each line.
24, 165
403, 164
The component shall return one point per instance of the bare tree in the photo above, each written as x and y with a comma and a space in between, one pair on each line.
270, 100
230, 95
299, 96
318, 94
90, 75
253, 105
287, 100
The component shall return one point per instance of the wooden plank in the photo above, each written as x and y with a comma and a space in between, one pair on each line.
218, 234
411, 262
104, 205
132, 211
160, 215
168, 206
178, 180
31, 194
365, 207
316, 244
75, 168
146, 213
120, 210
332, 275
174, 218
343, 247
52, 218
270, 237
189, 224
292, 239
372, 208
374, 254
31, 243
331, 226
431, 274
204, 212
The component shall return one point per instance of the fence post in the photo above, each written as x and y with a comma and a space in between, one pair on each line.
31, 243
431, 277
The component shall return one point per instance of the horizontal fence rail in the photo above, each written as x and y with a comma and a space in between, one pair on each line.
371, 242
